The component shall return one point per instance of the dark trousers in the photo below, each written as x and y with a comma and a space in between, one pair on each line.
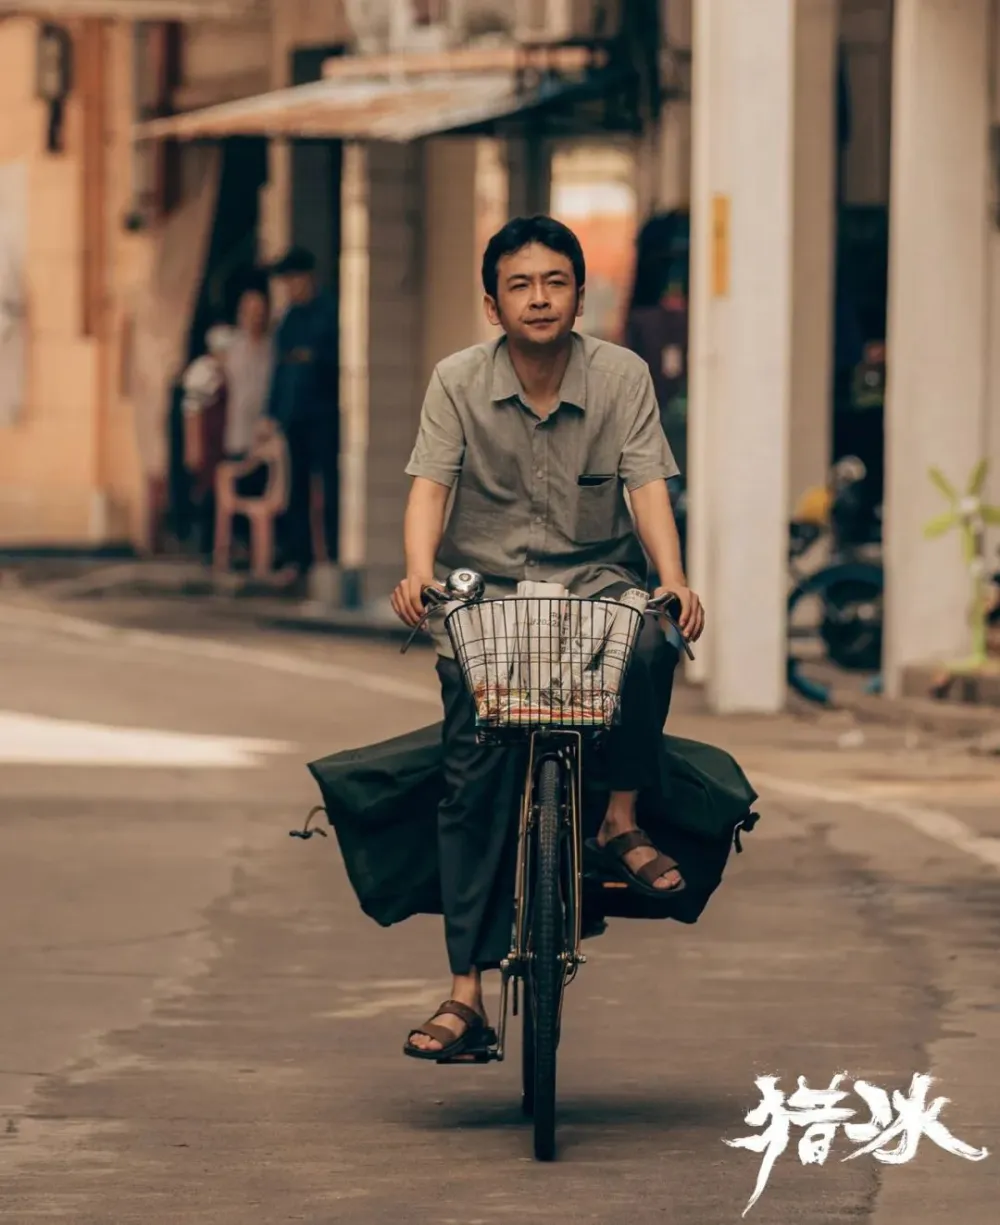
313, 449
477, 820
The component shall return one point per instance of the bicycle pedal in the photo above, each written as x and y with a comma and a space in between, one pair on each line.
471, 1058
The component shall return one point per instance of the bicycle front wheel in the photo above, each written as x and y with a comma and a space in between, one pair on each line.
547, 946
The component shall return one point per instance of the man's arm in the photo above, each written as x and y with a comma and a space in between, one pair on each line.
646, 465
434, 465
423, 527
657, 532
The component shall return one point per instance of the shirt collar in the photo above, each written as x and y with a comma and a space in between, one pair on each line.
507, 386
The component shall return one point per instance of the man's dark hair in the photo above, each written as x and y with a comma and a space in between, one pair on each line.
520, 233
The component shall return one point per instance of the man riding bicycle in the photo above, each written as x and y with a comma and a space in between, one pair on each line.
534, 440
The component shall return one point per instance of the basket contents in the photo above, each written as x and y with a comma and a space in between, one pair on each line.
542, 657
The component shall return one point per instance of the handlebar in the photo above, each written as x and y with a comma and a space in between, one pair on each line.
667, 606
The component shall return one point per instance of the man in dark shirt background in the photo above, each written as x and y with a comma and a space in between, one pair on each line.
656, 327
304, 400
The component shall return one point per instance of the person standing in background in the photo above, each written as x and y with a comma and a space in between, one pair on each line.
656, 327
304, 400
205, 409
225, 394
247, 364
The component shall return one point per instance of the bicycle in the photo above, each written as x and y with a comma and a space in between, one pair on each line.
545, 672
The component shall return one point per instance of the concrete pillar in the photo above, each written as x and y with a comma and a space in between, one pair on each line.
937, 332
355, 280
451, 288
740, 393
528, 175
395, 351
814, 243
492, 212
993, 332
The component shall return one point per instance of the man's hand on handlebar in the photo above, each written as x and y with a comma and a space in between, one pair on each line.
691, 617
408, 598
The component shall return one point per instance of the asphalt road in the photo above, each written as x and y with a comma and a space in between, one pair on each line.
199, 1026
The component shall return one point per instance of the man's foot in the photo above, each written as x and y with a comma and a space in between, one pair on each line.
454, 1030
640, 856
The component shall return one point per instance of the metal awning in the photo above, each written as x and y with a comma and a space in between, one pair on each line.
134, 10
348, 106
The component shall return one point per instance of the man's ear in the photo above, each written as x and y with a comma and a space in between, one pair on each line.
492, 310
580, 299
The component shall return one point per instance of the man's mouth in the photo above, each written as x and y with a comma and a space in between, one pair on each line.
536, 323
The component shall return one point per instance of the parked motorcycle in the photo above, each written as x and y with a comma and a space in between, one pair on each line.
848, 587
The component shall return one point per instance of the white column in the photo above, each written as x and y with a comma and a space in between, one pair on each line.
744, 91
355, 288
993, 324
814, 243
937, 341
706, 105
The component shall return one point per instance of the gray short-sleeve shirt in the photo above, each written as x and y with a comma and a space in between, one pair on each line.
542, 498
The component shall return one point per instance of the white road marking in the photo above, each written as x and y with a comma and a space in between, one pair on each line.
227, 652
36, 740
932, 822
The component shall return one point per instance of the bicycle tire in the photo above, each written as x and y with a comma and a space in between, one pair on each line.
547, 967
818, 584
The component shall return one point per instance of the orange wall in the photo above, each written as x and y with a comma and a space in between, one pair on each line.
46, 457
54, 455
608, 247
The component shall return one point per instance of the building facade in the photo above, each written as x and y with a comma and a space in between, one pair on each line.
394, 157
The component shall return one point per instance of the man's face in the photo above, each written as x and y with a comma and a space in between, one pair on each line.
296, 288
537, 300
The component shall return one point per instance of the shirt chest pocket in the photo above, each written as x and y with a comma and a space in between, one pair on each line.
597, 502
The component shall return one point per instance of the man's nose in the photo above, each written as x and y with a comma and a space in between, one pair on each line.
539, 294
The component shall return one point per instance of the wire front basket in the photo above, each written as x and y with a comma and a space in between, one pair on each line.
534, 662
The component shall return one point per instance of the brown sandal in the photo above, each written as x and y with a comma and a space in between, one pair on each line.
476, 1038
612, 858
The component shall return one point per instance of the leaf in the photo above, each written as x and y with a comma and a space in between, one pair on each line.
991, 515
942, 482
943, 523
978, 478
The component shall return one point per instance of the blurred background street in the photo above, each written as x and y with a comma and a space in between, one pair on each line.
199, 1025
236, 239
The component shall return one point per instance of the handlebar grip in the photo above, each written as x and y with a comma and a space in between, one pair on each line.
432, 596
668, 604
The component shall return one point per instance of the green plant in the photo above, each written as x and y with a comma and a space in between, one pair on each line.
971, 516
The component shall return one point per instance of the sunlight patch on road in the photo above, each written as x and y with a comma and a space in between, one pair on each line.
377, 998
36, 740
222, 652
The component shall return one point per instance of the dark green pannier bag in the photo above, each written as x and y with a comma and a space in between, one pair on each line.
382, 802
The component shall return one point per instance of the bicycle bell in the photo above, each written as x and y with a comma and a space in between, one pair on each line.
465, 585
